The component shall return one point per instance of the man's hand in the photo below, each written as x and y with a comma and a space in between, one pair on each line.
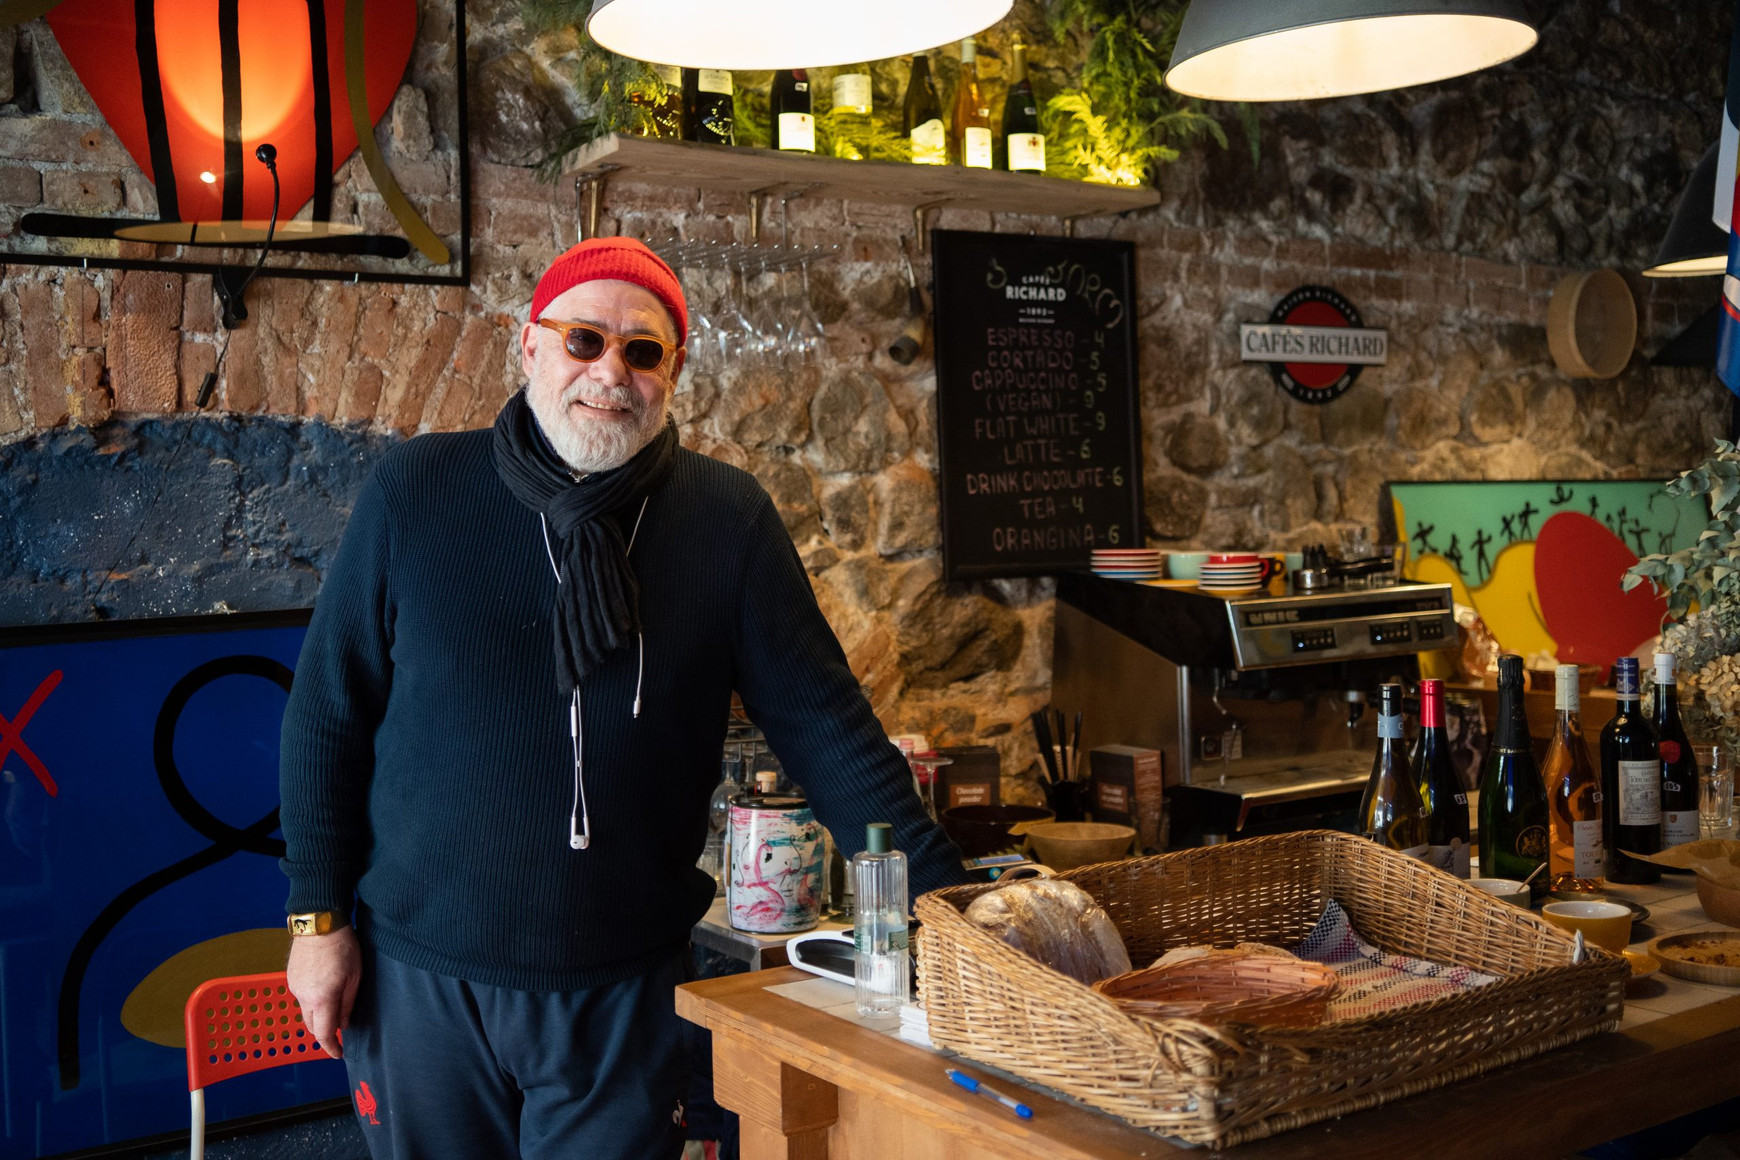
323, 974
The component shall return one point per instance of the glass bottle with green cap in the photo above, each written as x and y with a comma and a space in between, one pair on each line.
883, 971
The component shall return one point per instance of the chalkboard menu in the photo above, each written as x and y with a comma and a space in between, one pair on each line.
1038, 442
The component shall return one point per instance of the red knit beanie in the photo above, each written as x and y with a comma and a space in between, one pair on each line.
624, 259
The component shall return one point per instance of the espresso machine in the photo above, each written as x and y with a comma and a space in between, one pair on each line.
1260, 704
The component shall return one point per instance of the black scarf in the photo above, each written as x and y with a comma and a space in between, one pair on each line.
598, 604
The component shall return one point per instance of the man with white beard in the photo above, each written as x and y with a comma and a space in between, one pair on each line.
505, 727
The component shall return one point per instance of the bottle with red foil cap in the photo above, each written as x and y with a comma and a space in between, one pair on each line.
1679, 769
1447, 829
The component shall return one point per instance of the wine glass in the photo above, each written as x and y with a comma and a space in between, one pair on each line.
764, 311
703, 341
805, 325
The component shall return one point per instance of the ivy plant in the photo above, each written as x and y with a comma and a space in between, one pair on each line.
1706, 574
1123, 122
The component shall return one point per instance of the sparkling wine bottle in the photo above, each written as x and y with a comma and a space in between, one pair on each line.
1577, 846
1390, 811
1630, 783
970, 128
923, 116
1440, 786
1023, 143
1513, 802
794, 122
708, 102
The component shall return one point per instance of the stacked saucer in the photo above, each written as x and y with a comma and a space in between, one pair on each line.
1232, 573
1127, 563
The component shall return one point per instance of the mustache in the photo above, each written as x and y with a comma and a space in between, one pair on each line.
593, 393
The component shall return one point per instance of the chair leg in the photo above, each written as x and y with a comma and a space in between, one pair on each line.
196, 1144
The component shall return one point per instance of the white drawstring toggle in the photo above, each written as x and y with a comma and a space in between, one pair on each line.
640, 643
579, 821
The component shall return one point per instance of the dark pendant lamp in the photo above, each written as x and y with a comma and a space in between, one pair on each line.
1292, 50
778, 34
1695, 244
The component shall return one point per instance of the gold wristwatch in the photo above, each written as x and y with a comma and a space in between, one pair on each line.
317, 922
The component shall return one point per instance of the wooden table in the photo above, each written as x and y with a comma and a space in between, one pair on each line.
811, 1086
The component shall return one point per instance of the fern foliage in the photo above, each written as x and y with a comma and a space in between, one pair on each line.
1122, 122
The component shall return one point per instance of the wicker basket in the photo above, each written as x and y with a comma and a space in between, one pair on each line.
1228, 987
1225, 1084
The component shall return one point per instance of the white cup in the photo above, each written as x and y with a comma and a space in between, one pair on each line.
1504, 889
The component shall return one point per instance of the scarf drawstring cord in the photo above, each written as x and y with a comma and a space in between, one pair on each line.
579, 819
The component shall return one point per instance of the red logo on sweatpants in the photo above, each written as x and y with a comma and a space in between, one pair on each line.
365, 1102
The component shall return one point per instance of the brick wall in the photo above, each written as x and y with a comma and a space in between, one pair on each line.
1446, 214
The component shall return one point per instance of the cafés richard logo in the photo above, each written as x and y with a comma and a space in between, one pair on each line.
1315, 344
1059, 282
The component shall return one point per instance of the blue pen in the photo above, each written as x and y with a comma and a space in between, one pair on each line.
973, 1085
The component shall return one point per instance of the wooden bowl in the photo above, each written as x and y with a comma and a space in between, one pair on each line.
1721, 903
1066, 845
1592, 324
984, 830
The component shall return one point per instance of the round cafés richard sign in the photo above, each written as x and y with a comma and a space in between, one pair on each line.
1315, 344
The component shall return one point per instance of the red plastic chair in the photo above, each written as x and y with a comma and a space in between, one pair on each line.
237, 1025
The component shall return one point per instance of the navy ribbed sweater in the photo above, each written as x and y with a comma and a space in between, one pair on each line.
427, 768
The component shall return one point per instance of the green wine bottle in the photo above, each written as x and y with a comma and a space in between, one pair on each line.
1513, 801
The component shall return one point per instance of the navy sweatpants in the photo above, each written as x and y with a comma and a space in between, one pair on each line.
444, 1069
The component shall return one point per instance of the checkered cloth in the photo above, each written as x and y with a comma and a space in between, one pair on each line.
1374, 981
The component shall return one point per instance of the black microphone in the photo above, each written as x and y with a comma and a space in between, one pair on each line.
267, 155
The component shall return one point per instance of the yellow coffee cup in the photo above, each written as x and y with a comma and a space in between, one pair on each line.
1604, 924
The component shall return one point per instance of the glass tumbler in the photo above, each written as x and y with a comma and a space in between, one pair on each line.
1715, 791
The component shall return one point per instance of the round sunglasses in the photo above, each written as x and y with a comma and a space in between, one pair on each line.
587, 343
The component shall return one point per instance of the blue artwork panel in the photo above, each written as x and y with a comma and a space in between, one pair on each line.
138, 858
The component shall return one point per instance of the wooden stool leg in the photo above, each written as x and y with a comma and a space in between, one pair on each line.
786, 1112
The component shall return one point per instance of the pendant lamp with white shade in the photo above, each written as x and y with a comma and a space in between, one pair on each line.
1292, 50
1694, 245
779, 34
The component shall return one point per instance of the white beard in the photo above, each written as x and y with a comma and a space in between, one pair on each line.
587, 446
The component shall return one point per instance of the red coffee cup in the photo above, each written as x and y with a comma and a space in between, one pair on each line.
1270, 565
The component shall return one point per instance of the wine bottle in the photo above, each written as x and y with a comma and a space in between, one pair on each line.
852, 106
1440, 787
970, 126
923, 116
1513, 802
882, 967
1630, 783
1576, 844
794, 124
664, 104
707, 100
1023, 143
1390, 812
1679, 768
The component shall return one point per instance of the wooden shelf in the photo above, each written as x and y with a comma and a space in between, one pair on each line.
743, 170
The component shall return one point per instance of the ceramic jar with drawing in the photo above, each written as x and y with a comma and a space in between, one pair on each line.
775, 874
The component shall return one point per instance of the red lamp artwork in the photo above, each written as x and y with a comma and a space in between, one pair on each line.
194, 88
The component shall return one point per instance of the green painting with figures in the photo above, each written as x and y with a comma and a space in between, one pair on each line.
1541, 561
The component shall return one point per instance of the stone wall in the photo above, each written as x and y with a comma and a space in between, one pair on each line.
1446, 213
